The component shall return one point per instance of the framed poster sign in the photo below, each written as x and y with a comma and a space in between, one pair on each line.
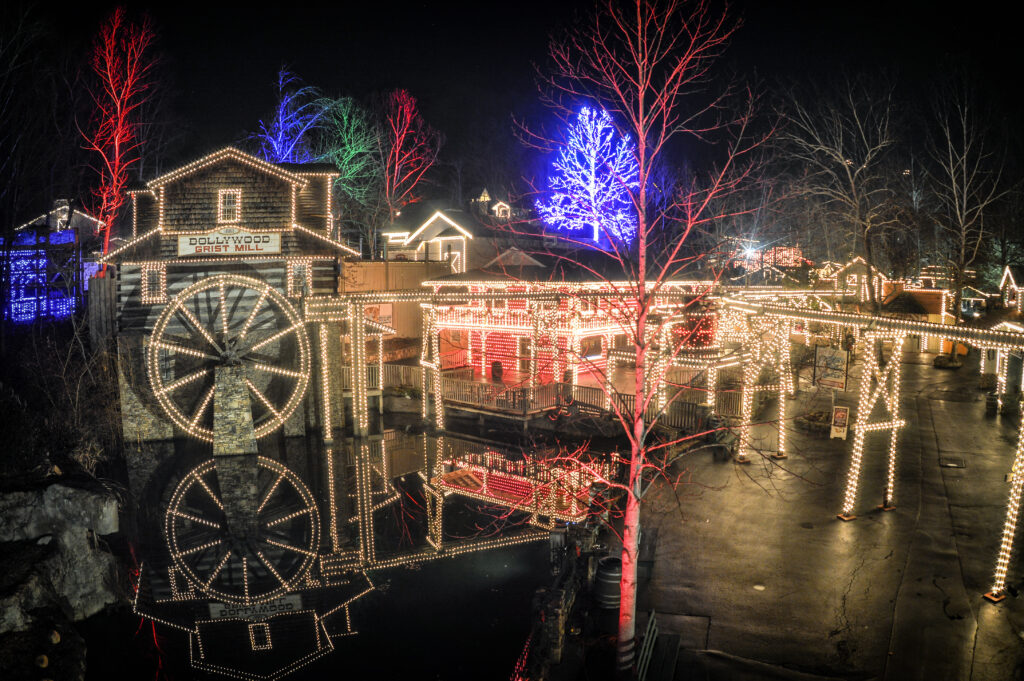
840, 422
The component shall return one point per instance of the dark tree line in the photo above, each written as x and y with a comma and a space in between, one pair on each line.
861, 168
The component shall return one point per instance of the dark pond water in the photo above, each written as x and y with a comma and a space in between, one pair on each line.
460, 617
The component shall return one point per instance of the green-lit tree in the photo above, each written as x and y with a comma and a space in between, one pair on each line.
348, 136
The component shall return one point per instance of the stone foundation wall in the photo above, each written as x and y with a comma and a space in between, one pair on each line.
142, 419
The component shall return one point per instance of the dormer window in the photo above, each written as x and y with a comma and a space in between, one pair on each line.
229, 205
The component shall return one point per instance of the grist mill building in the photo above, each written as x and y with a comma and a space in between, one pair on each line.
249, 240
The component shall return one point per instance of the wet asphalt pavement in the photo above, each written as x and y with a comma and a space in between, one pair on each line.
761, 581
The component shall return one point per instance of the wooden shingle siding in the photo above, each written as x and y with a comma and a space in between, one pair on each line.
291, 245
147, 216
191, 202
325, 280
311, 204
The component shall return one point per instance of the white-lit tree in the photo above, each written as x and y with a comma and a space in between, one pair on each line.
965, 177
589, 189
841, 141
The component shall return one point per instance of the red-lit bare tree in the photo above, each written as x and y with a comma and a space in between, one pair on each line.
649, 64
409, 148
121, 62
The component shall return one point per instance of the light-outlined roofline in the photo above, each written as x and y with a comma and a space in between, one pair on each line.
1007, 272
326, 239
105, 258
235, 154
431, 220
51, 212
859, 260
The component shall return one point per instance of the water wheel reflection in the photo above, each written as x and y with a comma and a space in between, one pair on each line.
264, 561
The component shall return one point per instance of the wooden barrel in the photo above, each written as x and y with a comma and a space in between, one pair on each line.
606, 584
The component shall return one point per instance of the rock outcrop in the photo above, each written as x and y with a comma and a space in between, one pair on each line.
51, 556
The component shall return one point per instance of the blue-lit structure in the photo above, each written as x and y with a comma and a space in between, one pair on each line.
593, 179
39, 285
45, 276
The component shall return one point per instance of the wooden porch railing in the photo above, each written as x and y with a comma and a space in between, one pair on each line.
687, 410
372, 377
395, 375
454, 359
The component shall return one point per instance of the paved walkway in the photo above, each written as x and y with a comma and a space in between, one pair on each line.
761, 580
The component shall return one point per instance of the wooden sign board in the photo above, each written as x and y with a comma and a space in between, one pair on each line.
840, 422
230, 241
831, 367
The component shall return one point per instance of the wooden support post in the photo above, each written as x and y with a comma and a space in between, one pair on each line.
357, 334
879, 386
784, 377
424, 364
435, 351
364, 503
997, 592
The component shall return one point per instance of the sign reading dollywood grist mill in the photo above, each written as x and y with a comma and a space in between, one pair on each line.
229, 241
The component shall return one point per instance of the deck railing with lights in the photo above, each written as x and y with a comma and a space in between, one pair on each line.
519, 320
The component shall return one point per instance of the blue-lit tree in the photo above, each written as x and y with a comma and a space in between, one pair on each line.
650, 64
286, 138
594, 178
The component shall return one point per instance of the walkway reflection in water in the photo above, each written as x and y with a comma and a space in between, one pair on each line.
365, 548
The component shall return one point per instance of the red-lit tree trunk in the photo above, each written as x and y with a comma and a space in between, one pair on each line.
647, 62
121, 62
409, 150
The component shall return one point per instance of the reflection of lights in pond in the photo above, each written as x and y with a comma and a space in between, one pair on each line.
240, 610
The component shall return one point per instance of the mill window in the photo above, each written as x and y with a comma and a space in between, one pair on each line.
229, 207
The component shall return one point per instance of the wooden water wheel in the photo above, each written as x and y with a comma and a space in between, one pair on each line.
221, 320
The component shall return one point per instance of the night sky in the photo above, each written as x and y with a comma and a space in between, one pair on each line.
472, 63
